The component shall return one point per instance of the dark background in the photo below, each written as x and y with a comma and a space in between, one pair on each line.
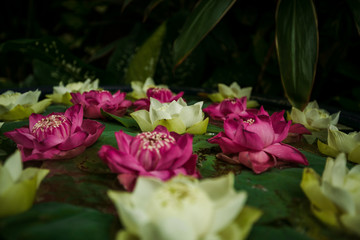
105, 34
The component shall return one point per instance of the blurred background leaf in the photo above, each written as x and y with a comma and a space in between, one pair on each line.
297, 49
203, 18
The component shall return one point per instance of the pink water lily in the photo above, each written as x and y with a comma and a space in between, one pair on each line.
219, 111
256, 141
95, 100
57, 135
157, 154
164, 95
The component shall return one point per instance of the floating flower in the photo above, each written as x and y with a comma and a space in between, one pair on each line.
164, 95
184, 208
175, 116
314, 118
256, 141
335, 197
140, 88
157, 154
341, 142
17, 106
17, 186
57, 135
219, 111
61, 93
233, 91
94, 101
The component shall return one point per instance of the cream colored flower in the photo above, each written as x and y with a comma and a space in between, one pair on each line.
233, 91
314, 118
184, 208
17, 106
335, 197
341, 142
140, 88
175, 116
17, 186
61, 93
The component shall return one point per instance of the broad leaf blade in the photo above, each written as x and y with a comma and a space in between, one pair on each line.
297, 44
143, 64
54, 220
200, 22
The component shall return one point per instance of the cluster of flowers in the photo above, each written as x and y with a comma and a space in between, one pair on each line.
159, 165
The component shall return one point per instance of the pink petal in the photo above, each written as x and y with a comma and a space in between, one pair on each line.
119, 162
143, 103
258, 161
262, 112
163, 174
94, 130
21, 136
231, 126
76, 98
123, 141
50, 142
75, 114
286, 153
249, 140
128, 180
262, 128
299, 128
226, 144
73, 141
184, 144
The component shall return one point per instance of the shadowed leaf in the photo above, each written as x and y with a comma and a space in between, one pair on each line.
297, 48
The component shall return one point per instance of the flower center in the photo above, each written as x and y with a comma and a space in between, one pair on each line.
51, 124
154, 141
249, 121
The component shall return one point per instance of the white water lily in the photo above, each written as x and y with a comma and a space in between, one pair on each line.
176, 116
17, 106
314, 118
184, 208
335, 197
17, 186
140, 88
338, 141
61, 93
233, 91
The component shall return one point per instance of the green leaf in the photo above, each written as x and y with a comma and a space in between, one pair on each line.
200, 22
355, 9
127, 122
144, 62
58, 63
297, 44
58, 221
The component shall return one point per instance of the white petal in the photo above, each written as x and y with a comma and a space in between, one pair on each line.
191, 115
298, 116
28, 98
14, 165
131, 216
168, 228
143, 120
144, 189
340, 197
340, 141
